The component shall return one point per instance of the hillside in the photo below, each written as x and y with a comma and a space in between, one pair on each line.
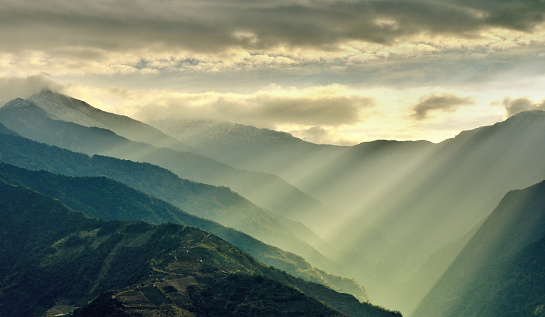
216, 203
436, 200
365, 169
393, 205
268, 191
250, 148
103, 198
500, 272
61, 107
56, 259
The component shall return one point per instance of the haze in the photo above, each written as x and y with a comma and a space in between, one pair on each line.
407, 123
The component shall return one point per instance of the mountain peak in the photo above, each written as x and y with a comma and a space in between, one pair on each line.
17, 102
46, 91
526, 119
21, 104
66, 108
51, 100
526, 116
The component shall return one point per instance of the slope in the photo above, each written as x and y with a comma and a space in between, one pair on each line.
268, 191
103, 198
439, 199
500, 271
250, 148
218, 204
55, 255
63, 108
365, 169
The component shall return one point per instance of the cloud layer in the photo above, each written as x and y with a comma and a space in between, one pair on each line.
374, 69
23, 87
216, 25
324, 106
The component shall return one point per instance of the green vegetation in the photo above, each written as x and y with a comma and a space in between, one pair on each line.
52, 253
103, 198
216, 203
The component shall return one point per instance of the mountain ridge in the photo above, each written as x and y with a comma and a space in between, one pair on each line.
103, 198
61, 107
250, 219
39, 257
257, 187
501, 243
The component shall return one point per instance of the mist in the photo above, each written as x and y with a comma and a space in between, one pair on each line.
387, 209
392, 215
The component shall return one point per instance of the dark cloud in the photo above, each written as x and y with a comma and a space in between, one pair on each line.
514, 106
511, 14
445, 102
217, 25
23, 87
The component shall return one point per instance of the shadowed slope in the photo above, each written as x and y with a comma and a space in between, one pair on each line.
53, 254
68, 109
440, 199
500, 272
266, 190
103, 198
219, 204
250, 148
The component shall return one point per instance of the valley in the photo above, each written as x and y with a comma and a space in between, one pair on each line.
380, 224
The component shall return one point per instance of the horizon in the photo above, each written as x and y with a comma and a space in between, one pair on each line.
288, 132
334, 72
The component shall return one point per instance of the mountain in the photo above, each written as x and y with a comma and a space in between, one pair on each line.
218, 204
251, 148
420, 284
268, 191
365, 170
103, 198
61, 107
55, 259
500, 272
192, 197
6, 131
392, 204
434, 200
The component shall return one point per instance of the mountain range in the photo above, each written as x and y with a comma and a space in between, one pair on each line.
160, 183
250, 148
429, 229
445, 190
216, 203
265, 189
56, 259
395, 204
120, 202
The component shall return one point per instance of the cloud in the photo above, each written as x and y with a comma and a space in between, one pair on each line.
369, 43
211, 26
514, 106
13, 87
321, 135
319, 106
444, 102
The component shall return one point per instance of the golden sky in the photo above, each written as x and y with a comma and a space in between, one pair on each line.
338, 72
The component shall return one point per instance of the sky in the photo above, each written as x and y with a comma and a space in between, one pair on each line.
339, 72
